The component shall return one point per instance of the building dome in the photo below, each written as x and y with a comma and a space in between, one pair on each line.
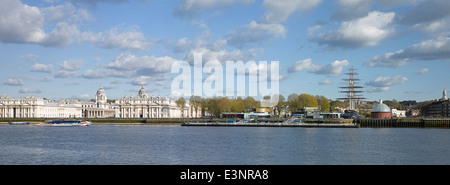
101, 95
142, 92
101, 91
381, 107
381, 111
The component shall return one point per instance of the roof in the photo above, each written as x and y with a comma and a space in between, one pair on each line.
380, 107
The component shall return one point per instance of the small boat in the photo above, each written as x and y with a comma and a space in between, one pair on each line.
19, 123
64, 123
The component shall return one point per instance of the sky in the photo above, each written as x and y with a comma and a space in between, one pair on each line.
66, 49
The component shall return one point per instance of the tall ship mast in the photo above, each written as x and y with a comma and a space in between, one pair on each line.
352, 90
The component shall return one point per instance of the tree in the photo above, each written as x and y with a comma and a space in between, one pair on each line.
250, 102
196, 102
293, 102
307, 100
281, 100
224, 105
181, 103
237, 105
335, 104
211, 105
324, 103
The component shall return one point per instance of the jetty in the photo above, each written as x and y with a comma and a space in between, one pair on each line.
309, 125
291, 122
404, 123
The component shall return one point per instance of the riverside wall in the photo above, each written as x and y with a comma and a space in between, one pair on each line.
404, 123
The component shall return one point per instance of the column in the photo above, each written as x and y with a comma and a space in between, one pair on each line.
157, 112
151, 112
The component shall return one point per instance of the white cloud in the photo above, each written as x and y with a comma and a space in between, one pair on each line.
71, 66
158, 80
361, 32
333, 69
378, 89
13, 82
255, 33
66, 74
105, 73
433, 49
26, 90
387, 81
42, 68
65, 12
325, 82
38, 79
381, 84
423, 71
130, 66
426, 12
190, 8
129, 62
221, 55
301, 65
20, 23
123, 38
184, 44
278, 11
29, 57
63, 35
351, 9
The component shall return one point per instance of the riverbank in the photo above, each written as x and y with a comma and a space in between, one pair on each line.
103, 121
307, 125
363, 123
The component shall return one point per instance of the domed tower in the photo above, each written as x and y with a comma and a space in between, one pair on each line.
142, 92
100, 97
381, 110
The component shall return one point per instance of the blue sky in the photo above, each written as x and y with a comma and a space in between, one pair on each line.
65, 49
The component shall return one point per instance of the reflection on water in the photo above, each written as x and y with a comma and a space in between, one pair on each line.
112, 144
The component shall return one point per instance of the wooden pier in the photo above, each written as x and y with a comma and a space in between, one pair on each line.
404, 123
308, 125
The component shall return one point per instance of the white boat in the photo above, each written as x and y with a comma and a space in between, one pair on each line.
64, 123
19, 123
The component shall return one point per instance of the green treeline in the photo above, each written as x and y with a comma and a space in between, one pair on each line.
217, 105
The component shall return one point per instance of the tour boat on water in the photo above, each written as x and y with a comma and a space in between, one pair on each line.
64, 122
19, 123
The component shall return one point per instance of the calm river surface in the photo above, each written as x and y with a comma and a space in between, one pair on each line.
114, 144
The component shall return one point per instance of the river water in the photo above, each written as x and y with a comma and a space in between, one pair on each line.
116, 144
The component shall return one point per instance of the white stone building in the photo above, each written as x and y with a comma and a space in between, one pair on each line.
127, 107
150, 107
31, 107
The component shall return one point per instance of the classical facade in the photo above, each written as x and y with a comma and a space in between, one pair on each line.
142, 106
31, 107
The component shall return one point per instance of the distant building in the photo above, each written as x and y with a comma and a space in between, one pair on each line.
408, 103
31, 107
398, 113
381, 110
245, 115
307, 112
127, 107
438, 108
